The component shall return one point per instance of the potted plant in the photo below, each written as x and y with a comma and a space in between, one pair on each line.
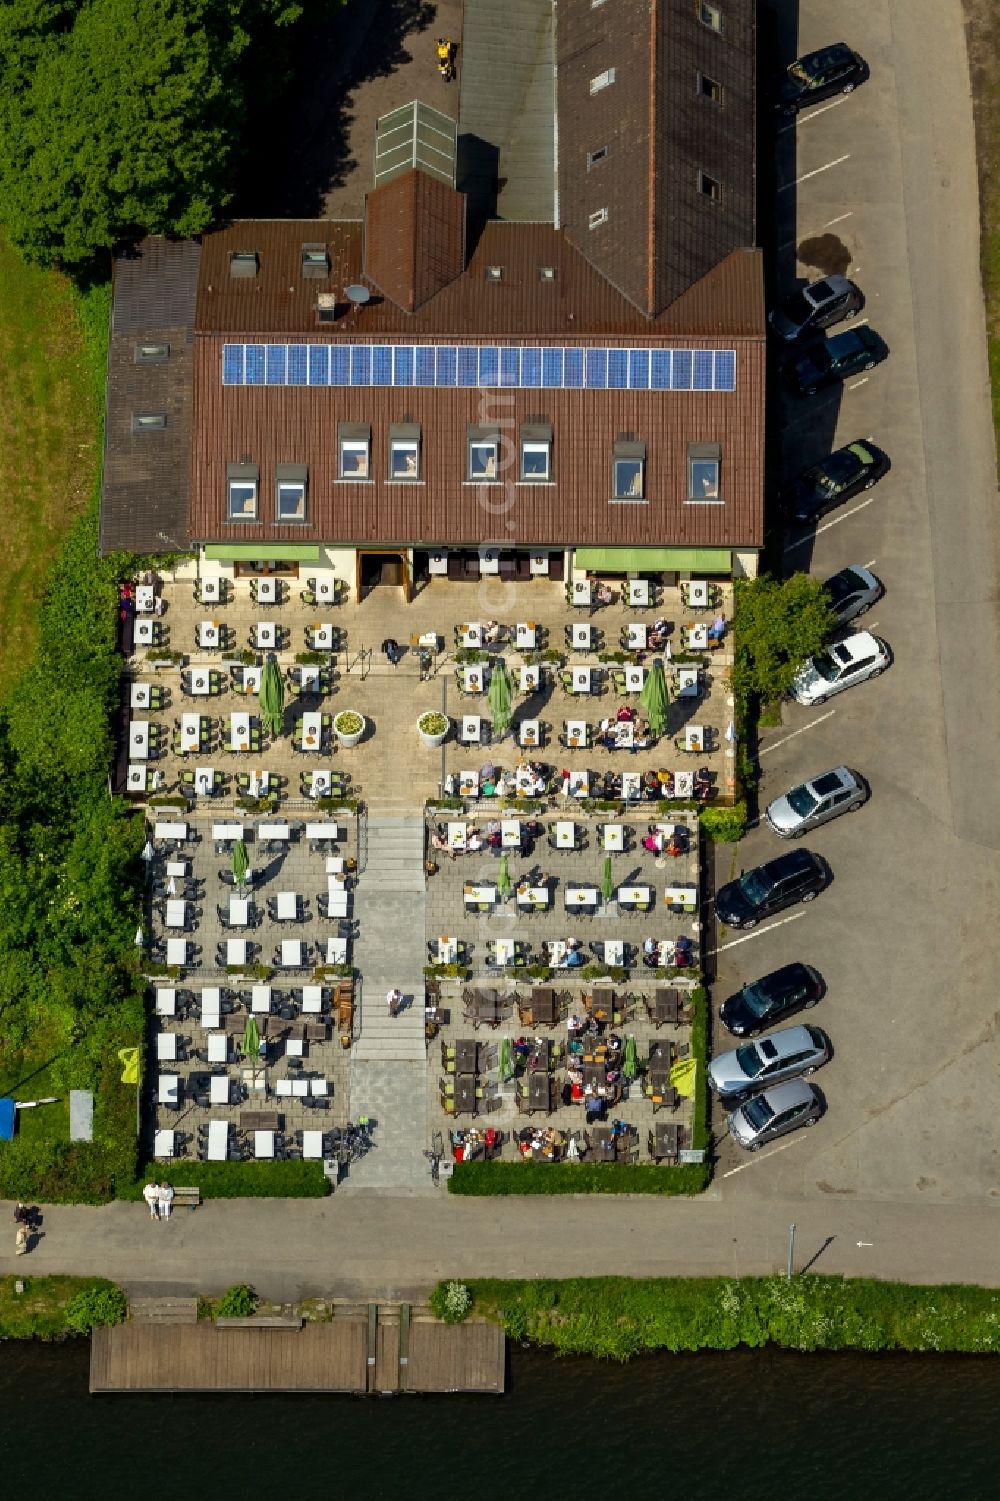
349, 726
433, 728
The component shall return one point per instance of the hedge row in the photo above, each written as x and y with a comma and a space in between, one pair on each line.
618, 1317
236, 1180
480, 1178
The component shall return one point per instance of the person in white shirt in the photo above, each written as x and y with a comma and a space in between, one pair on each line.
166, 1200
151, 1193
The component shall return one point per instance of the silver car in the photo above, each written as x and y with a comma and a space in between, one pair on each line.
816, 801
852, 592
858, 657
787, 1054
784, 1108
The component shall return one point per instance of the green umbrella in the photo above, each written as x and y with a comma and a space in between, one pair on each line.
506, 1059
654, 698
629, 1065
503, 877
501, 695
251, 1041
241, 862
272, 697
607, 880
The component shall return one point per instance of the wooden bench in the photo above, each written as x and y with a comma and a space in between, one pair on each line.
187, 1197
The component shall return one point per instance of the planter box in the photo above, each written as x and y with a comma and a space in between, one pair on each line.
349, 740
433, 741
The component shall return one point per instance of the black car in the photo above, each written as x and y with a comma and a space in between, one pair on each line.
771, 999
831, 70
796, 877
846, 472
837, 359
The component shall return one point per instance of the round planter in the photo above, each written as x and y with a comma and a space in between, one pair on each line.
432, 740
351, 739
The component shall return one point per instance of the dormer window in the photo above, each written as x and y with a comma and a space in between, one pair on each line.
326, 307
290, 492
628, 470
484, 448
242, 483
315, 263
404, 452
536, 453
243, 263
355, 445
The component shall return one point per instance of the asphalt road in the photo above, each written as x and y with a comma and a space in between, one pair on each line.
906, 937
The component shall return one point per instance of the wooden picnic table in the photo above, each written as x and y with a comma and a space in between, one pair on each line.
661, 1057
540, 1057
485, 1006
539, 1092
543, 1004
465, 1057
465, 1094
665, 1007
594, 1074
666, 1141
260, 1120
608, 1148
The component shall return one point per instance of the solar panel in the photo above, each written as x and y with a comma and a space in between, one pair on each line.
471, 365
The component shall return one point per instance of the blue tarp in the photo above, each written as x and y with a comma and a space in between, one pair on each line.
6, 1120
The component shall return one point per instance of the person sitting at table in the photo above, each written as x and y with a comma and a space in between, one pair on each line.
474, 842
504, 785
494, 841
524, 1139
642, 737
614, 1043
702, 784
574, 959
450, 784
594, 1106
625, 715
492, 632
717, 629
674, 845
653, 840
521, 1048
656, 636
603, 595
650, 784
574, 1023
439, 841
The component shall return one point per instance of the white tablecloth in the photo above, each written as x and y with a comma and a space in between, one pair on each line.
175, 914
312, 1143
236, 951
239, 911
312, 732
614, 836
260, 998
139, 696
273, 831
138, 740
291, 952
218, 1140
218, 1047
166, 1002
177, 951
190, 732
168, 1091
163, 1145
263, 1143
239, 738
287, 906
218, 1089
312, 999
176, 831
166, 1046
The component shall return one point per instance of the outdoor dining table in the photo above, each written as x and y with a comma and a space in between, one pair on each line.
204, 781
259, 1120
683, 898
260, 998
525, 635
208, 634
291, 953
321, 831
166, 1002
267, 591
320, 782
312, 1143
476, 894
468, 784
177, 868
168, 1089
140, 696
312, 731
623, 735
239, 735
504, 951
322, 636
638, 592
260, 781
635, 636
336, 900
457, 835
218, 1141
239, 911
138, 740
136, 779
531, 678
614, 952
576, 733
666, 1007
581, 592
634, 896
471, 635
227, 833
465, 1057
635, 677
581, 679
540, 1092
145, 632
287, 906
465, 1094
211, 1005
166, 1046
447, 950
263, 1143
210, 591
529, 733
533, 896
631, 785
218, 1047
683, 784
145, 599
687, 682
312, 999
473, 679
543, 1004
190, 733
251, 679
177, 831
580, 896
471, 732
336, 952
485, 1006
694, 738
582, 637
510, 833
309, 679
276, 831
325, 591
608, 1146
614, 837
697, 637
177, 950
163, 1144
540, 1057
218, 1084
666, 1140
201, 682
565, 835
236, 951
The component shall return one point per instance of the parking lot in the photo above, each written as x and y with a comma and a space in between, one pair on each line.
906, 935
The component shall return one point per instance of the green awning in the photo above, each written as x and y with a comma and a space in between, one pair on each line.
654, 559
252, 552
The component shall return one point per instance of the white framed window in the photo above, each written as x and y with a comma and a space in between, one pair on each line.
708, 88
483, 459
290, 494
404, 459
709, 14
704, 472
536, 459
354, 458
242, 500
709, 187
602, 80
629, 479
597, 218
149, 422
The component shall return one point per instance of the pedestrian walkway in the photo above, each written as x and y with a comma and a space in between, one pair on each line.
389, 1061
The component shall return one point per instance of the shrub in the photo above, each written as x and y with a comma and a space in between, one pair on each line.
451, 1301
433, 723
480, 1179
724, 825
236, 1180
237, 1302
348, 722
95, 1307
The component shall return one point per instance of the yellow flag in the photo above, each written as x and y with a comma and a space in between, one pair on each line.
682, 1076
129, 1058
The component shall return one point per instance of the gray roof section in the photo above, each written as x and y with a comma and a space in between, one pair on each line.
507, 115
415, 136
144, 499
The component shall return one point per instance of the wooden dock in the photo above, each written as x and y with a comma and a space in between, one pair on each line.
384, 1354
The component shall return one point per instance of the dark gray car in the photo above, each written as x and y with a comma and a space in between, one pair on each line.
755, 1066
818, 305
777, 1111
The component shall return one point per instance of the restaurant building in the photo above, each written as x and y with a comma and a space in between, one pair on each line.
440, 388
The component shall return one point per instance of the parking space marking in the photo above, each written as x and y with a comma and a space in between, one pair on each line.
804, 119
871, 563
810, 536
855, 384
784, 188
857, 324
756, 933
839, 219
810, 726
757, 1159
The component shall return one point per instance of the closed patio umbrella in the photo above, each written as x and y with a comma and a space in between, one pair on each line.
500, 695
607, 880
655, 698
506, 1065
629, 1065
251, 1042
272, 696
503, 877
241, 862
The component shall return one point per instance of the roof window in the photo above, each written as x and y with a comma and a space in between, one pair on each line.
243, 263
597, 218
290, 492
404, 452
242, 481
709, 89
355, 443
146, 353
704, 471
546, 273
148, 422
709, 15
494, 273
709, 187
326, 307
315, 263
602, 80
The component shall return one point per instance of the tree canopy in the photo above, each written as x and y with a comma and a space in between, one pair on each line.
124, 117
777, 625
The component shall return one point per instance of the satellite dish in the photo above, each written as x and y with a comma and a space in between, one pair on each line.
357, 294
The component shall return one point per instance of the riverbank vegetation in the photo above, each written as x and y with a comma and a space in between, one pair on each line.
56, 1307
619, 1317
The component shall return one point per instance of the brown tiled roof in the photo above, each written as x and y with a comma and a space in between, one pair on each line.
661, 131
414, 242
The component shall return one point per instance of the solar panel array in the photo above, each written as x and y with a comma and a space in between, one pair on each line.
448, 365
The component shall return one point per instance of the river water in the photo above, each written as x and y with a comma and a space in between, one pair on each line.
756, 1423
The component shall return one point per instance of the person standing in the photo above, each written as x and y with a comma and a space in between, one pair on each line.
394, 999
151, 1193
166, 1200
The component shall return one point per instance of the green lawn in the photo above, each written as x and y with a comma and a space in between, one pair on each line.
49, 431
38, 1075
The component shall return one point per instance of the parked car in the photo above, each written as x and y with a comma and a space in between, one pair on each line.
852, 592
770, 999
789, 1054
852, 660
837, 69
822, 303
837, 359
777, 1111
798, 876
816, 801
845, 472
